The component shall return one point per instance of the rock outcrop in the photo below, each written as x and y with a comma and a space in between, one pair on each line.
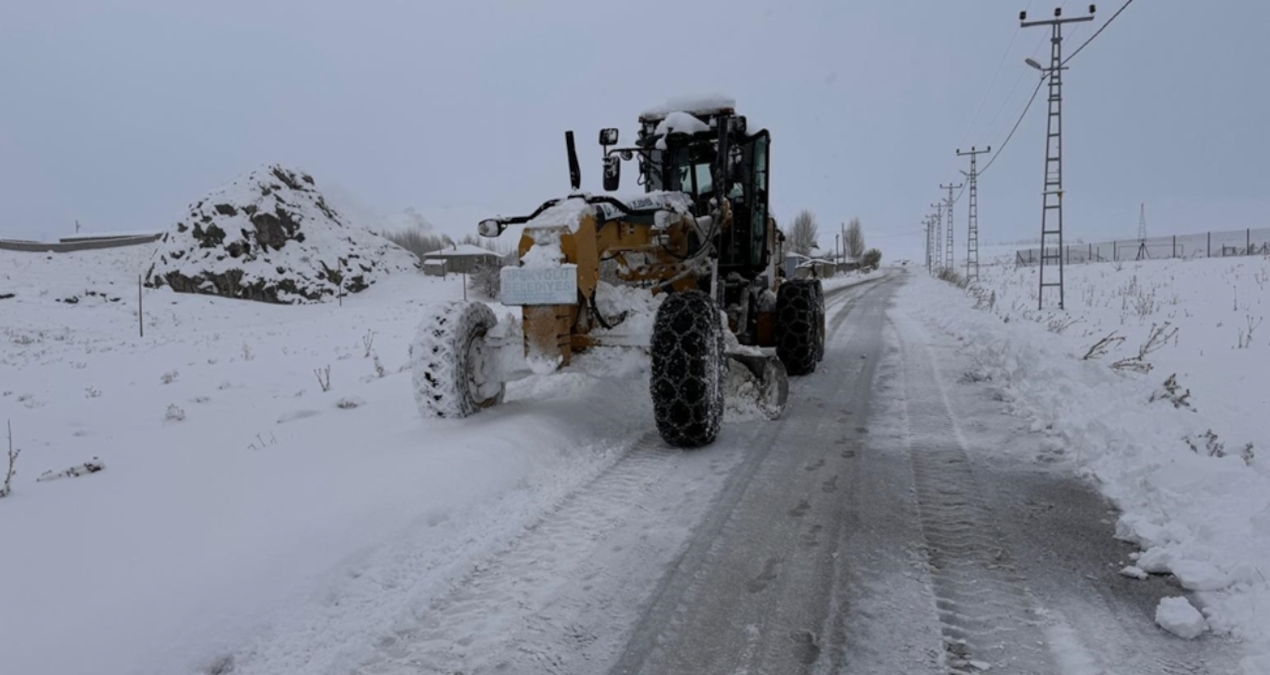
270, 236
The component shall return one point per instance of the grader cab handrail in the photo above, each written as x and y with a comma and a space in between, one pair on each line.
492, 227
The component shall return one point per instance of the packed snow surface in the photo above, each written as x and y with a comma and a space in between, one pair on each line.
1179, 617
1173, 432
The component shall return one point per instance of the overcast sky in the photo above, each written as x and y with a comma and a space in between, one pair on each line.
119, 114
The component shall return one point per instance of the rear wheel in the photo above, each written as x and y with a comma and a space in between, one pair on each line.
452, 365
688, 370
800, 325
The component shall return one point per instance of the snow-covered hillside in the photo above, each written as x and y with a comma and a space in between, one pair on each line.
243, 509
1173, 429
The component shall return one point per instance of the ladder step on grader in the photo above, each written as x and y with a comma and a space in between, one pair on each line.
699, 242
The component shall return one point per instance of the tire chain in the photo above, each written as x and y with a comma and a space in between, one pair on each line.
687, 370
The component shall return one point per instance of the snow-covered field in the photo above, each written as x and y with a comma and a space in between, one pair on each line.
245, 517
1188, 465
242, 509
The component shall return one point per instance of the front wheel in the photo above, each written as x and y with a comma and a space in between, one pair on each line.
688, 369
452, 365
800, 337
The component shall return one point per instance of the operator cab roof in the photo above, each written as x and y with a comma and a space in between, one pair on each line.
699, 106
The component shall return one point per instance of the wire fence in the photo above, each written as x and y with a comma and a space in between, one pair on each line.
1186, 246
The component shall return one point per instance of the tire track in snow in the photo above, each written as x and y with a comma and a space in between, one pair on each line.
561, 598
987, 616
752, 594
1076, 608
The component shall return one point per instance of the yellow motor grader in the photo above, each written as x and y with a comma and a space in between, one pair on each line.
699, 239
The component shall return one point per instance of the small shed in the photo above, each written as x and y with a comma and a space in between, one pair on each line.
462, 258
434, 267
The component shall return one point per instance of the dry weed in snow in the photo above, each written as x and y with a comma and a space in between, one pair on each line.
323, 377
7, 487
92, 466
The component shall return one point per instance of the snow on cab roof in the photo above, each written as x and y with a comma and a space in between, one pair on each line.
460, 250
697, 105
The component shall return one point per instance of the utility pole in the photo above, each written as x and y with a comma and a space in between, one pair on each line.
926, 228
1142, 231
972, 235
949, 258
938, 246
1052, 196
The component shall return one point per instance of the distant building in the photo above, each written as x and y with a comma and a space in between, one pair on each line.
461, 259
434, 267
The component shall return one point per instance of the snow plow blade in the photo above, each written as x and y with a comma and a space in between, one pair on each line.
761, 378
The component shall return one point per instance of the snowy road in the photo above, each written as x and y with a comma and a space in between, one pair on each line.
879, 527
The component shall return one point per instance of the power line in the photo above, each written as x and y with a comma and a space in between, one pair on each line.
991, 84
1098, 32
1037, 90
1016, 127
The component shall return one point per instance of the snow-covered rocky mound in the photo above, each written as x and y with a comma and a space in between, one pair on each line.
270, 236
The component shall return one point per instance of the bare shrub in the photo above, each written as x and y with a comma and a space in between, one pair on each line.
1213, 447
1061, 323
951, 276
984, 298
1159, 336
247, 353
323, 377
261, 442
169, 377
1101, 347
1173, 393
368, 341
349, 403
7, 488
175, 413
92, 392
487, 281
379, 367
1245, 335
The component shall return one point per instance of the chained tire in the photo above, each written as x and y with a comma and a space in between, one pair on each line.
451, 362
688, 369
800, 325
820, 320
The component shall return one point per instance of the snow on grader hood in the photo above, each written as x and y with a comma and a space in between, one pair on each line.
687, 274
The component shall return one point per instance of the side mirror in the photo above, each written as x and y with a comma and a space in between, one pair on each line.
608, 137
612, 173
489, 228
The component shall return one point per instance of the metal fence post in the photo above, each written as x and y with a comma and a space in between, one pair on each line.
1115, 250
1248, 244
1175, 246
1209, 254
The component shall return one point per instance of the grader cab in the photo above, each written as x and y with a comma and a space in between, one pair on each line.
699, 238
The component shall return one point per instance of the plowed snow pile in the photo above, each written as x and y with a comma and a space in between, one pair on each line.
271, 236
